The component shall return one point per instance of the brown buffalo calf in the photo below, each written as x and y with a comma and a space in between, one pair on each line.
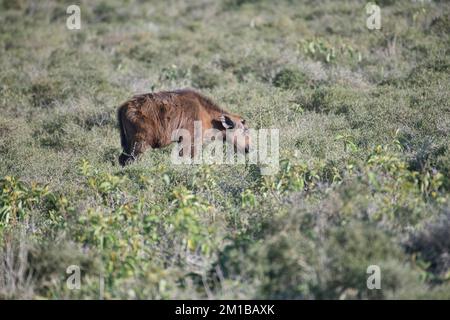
149, 120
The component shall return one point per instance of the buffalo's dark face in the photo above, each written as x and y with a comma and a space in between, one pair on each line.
237, 130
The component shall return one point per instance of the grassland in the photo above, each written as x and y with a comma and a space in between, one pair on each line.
364, 120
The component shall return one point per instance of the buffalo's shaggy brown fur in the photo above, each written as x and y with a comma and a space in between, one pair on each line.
148, 120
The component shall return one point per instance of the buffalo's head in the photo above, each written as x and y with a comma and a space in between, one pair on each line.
236, 131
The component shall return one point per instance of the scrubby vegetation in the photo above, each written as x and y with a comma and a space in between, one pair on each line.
364, 119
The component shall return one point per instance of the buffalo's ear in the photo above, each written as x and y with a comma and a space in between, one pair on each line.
226, 121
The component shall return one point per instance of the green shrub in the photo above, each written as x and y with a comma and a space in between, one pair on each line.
19, 200
431, 245
45, 93
289, 79
204, 78
441, 24
321, 50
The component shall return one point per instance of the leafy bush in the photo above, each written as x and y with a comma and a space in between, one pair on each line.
323, 51
19, 200
440, 24
204, 78
289, 79
431, 245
